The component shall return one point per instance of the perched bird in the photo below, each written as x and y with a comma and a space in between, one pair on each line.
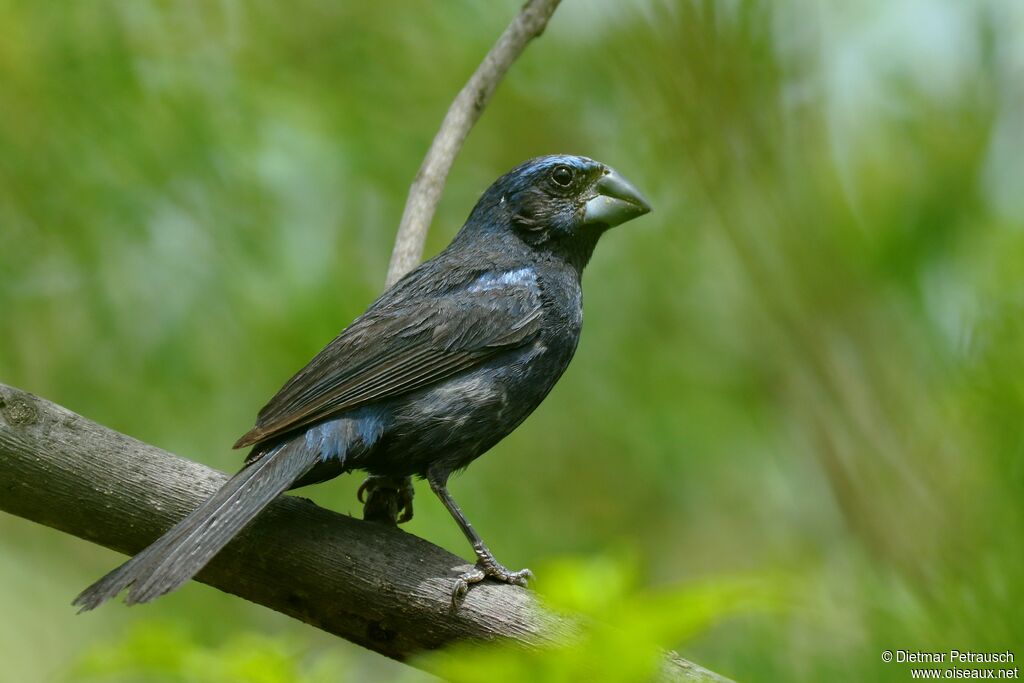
445, 364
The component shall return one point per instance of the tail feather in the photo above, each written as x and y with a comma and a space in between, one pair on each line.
185, 549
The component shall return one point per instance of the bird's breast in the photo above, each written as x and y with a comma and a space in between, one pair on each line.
563, 309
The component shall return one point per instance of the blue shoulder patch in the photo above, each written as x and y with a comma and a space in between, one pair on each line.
510, 278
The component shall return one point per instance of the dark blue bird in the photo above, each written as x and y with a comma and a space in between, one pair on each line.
441, 367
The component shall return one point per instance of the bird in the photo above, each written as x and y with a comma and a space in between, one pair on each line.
441, 367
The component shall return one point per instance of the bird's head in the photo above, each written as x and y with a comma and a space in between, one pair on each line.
560, 203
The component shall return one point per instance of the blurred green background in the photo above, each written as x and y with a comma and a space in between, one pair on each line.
796, 409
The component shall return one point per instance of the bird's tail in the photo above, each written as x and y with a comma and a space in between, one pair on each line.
179, 554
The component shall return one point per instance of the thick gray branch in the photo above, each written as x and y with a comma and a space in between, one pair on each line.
372, 584
425, 192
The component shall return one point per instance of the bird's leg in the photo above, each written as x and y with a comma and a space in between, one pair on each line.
486, 564
386, 499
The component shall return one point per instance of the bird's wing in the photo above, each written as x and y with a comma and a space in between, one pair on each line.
397, 348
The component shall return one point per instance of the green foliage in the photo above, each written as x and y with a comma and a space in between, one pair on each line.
807, 364
625, 629
160, 652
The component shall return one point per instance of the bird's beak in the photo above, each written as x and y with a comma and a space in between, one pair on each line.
617, 201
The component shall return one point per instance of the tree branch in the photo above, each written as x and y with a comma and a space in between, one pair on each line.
383, 500
425, 192
372, 584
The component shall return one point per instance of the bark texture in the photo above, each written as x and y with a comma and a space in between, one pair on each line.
369, 583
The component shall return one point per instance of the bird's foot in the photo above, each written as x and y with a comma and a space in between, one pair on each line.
485, 567
387, 499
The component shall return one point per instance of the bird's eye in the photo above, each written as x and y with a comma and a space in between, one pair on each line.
562, 175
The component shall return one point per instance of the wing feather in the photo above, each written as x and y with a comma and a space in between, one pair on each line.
399, 347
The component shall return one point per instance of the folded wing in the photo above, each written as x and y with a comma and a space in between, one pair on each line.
403, 344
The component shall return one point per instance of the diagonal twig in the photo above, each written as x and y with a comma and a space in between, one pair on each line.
383, 501
425, 192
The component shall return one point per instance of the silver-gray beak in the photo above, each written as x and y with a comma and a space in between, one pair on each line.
617, 201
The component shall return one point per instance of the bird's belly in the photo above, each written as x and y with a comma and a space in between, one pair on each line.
445, 427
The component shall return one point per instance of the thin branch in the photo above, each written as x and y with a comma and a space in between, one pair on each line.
425, 192
369, 583
382, 501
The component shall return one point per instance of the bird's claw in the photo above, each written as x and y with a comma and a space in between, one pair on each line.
483, 569
401, 487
